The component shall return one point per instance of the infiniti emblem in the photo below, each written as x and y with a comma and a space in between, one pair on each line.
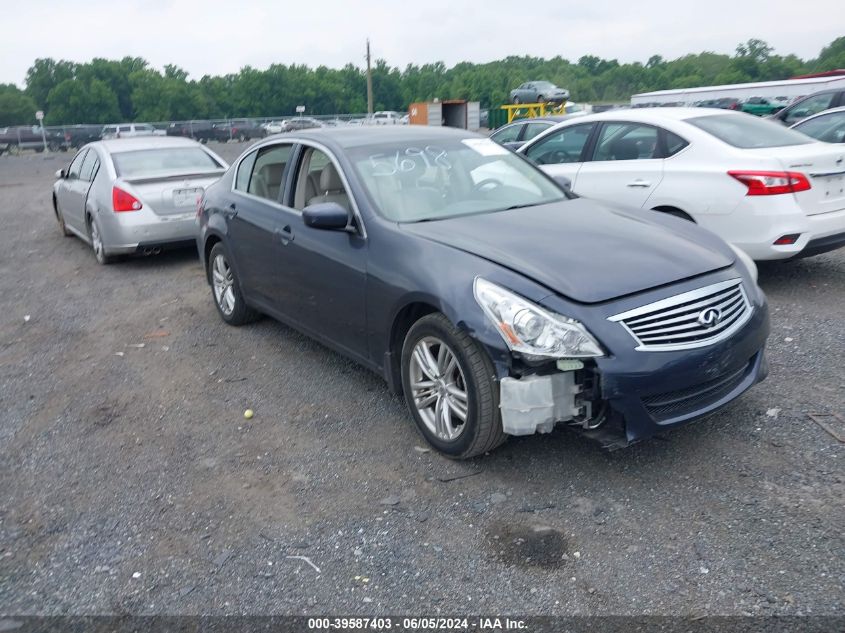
710, 317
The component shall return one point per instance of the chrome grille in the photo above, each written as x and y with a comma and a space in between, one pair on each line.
692, 319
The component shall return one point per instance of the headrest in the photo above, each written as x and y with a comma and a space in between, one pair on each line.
330, 179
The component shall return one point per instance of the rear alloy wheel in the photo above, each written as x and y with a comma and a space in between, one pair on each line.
516, 101
448, 383
97, 245
540, 99
226, 289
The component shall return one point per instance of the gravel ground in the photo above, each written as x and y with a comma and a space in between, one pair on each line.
131, 483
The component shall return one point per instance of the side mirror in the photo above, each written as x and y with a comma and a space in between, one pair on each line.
60, 174
329, 216
564, 182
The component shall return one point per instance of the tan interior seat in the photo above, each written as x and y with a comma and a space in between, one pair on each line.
330, 188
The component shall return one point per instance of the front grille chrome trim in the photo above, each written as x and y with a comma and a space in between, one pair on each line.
663, 325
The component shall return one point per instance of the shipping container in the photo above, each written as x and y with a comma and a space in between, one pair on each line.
451, 113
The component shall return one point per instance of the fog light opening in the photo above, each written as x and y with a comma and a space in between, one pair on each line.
787, 240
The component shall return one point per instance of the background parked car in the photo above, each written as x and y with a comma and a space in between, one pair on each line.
202, 131
761, 106
725, 103
135, 195
129, 130
75, 136
21, 137
240, 130
808, 106
516, 134
773, 192
539, 92
386, 117
828, 126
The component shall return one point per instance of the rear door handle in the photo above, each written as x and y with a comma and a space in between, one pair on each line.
639, 183
285, 235
231, 211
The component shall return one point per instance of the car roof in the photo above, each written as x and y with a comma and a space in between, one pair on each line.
353, 136
145, 142
655, 115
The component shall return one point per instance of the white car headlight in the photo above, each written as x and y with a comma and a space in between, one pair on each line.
532, 330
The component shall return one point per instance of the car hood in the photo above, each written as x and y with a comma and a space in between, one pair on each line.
585, 250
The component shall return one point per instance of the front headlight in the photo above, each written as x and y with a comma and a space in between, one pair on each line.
532, 330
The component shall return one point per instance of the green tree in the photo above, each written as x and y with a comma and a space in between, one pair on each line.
77, 101
16, 108
44, 75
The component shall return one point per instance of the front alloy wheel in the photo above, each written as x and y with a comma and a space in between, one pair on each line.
450, 388
438, 388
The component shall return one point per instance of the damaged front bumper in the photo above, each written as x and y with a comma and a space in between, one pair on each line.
632, 395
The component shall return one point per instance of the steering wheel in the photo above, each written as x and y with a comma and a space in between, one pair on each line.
558, 156
490, 183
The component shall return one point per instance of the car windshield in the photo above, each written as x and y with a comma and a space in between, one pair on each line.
422, 181
748, 132
172, 160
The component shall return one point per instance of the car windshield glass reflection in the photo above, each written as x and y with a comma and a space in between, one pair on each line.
410, 182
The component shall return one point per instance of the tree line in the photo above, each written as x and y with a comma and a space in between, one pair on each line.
109, 91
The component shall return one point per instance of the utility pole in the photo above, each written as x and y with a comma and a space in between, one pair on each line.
369, 81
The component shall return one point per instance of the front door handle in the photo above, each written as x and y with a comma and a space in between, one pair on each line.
285, 235
231, 211
639, 183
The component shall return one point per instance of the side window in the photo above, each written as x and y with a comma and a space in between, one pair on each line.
508, 134
76, 164
674, 144
562, 146
626, 141
244, 172
808, 107
829, 128
266, 179
124, 128
533, 129
318, 181
89, 165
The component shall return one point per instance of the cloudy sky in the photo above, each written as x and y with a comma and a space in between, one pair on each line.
218, 37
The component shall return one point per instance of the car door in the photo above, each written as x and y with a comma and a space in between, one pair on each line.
561, 152
625, 166
71, 193
324, 272
808, 106
255, 217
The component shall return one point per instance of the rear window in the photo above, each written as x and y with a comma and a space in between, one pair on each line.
175, 160
748, 132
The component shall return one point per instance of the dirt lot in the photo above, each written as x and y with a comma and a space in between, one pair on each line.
131, 483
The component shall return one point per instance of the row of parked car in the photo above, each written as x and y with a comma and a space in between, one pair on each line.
601, 277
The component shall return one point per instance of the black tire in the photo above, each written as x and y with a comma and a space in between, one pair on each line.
61, 219
516, 101
241, 313
540, 98
482, 430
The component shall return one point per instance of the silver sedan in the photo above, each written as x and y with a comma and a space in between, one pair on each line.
136, 195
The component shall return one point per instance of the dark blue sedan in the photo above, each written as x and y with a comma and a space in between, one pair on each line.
493, 299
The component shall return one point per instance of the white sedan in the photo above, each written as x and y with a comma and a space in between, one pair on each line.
773, 192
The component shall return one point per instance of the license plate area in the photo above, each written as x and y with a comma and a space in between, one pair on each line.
832, 186
186, 197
